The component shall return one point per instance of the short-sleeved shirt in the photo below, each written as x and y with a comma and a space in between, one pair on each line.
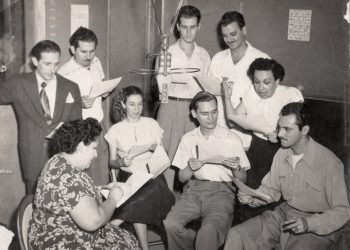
222, 143
223, 66
270, 107
186, 86
126, 134
85, 78
60, 188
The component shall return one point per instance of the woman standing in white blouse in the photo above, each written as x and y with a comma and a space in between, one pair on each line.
153, 201
265, 97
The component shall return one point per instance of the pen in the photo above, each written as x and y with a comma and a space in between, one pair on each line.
197, 152
148, 170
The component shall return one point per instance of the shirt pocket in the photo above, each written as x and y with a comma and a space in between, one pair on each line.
313, 189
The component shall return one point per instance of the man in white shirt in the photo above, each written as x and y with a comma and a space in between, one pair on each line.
233, 63
208, 158
85, 69
174, 116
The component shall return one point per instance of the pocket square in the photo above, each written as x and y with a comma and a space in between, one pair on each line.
70, 98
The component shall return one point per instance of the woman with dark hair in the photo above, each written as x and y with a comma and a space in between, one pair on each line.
69, 212
265, 97
152, 202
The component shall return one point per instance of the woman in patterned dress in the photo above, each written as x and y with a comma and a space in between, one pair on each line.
151, 204
69, 212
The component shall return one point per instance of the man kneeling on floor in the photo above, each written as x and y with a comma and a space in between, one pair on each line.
311, 180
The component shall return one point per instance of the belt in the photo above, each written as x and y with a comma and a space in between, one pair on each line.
173, 98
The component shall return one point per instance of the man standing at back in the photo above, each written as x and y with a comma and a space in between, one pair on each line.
174, 116
232, 63
41, 100
85, 69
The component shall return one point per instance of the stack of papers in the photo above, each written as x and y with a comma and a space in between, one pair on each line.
148, 162
100, 89
210, 84
256, 123
252, 192
135, 181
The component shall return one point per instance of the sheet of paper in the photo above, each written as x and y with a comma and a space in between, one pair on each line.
49, 136
210, 84
255, 123
217, 159
249, 191
158, 162
138, 150
136, 181
105, 87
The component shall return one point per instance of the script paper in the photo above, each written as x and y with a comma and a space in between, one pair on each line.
210, 84
249, 191
154, 163
136, 181
105, 87
158, 162
255, 123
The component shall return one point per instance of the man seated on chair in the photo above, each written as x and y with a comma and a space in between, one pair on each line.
209, 193
311, 180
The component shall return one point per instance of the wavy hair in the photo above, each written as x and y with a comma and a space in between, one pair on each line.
70, 134
118, 112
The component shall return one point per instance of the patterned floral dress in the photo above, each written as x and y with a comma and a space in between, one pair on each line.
60, 188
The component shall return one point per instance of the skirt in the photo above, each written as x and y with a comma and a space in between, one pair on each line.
149, 205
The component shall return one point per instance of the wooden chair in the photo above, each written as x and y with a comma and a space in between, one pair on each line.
24, 215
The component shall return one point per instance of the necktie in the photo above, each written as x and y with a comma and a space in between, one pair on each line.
45, 102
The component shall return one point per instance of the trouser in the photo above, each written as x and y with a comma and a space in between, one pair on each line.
265, 232
212, 202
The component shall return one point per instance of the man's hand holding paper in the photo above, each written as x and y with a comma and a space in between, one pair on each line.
195, 164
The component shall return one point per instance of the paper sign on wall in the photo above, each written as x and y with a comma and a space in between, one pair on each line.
299, 25
79, 16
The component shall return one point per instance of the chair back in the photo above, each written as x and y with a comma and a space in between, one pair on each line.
24, 215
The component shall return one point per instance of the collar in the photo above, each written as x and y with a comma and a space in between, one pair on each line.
309, 156
39, 79
74, 66
219, 132
195, 50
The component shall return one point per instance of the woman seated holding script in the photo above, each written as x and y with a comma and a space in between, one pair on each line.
153, 201
265, 97
69, 212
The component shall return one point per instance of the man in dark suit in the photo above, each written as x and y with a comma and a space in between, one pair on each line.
41, 100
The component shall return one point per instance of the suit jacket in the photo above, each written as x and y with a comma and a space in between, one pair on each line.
22, 92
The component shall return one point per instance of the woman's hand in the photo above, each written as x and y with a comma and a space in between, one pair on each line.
227, 87
126, 161
153, 147
272, 136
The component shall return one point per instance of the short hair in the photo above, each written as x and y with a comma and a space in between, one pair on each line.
118, 112
70, 134
231, 17
84, 35
189, 11
202, 96
265, 64
300, 110
44, 46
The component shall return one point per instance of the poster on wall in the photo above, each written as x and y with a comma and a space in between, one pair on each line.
299, 25
79, 16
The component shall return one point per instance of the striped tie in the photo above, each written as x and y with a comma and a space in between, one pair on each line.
44, 100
